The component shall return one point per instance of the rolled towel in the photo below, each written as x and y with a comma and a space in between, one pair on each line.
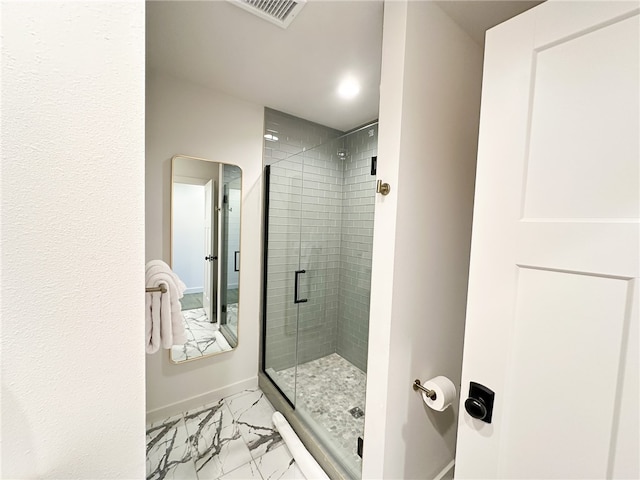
154, 270
154, 266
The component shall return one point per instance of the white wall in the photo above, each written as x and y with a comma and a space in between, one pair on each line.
188, 235
429, 108
183, 118
72, 240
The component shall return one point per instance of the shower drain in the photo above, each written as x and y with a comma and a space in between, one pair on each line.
356, 412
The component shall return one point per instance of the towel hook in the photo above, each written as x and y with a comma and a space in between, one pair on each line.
383, 188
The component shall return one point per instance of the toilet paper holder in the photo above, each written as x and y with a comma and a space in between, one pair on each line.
429, 393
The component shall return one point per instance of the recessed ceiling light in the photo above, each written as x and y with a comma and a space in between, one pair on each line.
270, 137
349, 88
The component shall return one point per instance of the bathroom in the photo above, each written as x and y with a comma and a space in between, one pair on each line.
178, 111
62, 239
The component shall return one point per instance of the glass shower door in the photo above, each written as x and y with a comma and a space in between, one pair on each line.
282, 273
318, 244
302, 219
329, 388
320, 232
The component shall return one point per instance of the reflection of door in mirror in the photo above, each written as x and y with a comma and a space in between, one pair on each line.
230, 252
200, 234
208, 301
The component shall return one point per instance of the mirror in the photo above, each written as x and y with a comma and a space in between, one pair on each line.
205, 253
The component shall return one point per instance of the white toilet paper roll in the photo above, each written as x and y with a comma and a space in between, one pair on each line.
445, 393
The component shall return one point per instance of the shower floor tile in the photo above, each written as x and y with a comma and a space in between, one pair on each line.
327, 389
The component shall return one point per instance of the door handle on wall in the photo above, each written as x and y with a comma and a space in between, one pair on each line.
295, 287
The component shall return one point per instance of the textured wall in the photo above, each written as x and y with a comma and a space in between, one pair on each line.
73, 240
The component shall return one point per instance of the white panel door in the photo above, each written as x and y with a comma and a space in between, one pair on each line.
209, 209
552, 313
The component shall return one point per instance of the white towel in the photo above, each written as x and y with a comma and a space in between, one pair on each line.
152, 321
180, 287
159, 275
165, 324
159, 265
171, 327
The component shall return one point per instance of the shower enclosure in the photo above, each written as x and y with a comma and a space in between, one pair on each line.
319, 210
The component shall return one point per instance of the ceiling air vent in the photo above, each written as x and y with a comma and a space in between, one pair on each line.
278, 12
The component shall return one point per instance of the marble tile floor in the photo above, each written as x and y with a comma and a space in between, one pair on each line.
329, 389
203, 337
232, 315
233, 438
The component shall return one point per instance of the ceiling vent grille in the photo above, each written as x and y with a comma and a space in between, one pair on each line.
278, 12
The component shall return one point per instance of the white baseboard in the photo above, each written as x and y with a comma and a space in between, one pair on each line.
194, 290
199, 400
446, 472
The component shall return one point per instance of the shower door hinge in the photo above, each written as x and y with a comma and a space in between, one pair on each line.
360, 446
223, 309
374, 165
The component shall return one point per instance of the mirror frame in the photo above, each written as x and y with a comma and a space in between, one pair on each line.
171, 229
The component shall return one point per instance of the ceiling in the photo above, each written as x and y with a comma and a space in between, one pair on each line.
297, 70
477, 16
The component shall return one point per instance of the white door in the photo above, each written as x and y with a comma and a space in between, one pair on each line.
207, 295
552, 312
